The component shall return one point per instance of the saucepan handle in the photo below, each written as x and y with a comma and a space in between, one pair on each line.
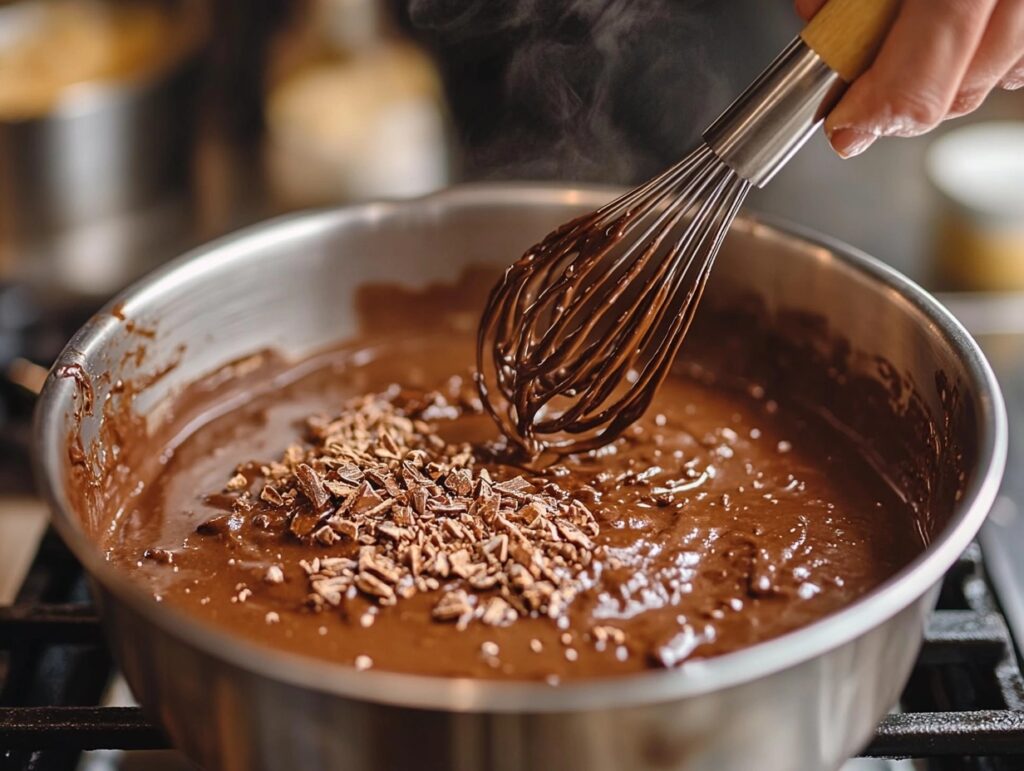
25, 374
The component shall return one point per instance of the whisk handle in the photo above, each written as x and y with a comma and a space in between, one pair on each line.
847, 34
759, 132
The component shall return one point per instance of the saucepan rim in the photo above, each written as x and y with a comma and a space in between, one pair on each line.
472, 695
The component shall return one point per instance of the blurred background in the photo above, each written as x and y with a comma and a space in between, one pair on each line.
132, 130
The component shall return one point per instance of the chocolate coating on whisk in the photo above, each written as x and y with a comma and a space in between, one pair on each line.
579, 333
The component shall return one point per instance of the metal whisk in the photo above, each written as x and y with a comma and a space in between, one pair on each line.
580, 332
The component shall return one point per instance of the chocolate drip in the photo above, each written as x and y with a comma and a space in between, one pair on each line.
579, 333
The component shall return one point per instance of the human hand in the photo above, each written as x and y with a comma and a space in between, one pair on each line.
940, 60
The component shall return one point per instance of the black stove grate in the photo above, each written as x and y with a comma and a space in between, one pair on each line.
963, 707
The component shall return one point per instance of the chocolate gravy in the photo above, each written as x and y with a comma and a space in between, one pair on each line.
729, 514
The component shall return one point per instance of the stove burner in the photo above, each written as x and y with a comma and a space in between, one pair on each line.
963, 707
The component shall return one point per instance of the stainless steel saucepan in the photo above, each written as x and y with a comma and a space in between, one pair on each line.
806, 700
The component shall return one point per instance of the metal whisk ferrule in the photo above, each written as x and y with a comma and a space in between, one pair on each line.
762, 129
582, 329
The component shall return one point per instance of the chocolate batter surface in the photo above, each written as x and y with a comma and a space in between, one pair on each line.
725, 517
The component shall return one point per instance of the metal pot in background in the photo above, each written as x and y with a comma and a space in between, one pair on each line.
801, 702
80, 179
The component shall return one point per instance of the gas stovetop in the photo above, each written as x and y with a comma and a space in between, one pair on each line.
962, 709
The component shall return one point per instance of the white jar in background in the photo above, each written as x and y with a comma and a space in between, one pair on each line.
978, 174
361, 117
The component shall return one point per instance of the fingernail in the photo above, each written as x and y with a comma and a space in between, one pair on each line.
848, 142
1014, 79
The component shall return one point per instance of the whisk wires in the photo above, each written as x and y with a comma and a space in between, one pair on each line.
581, 330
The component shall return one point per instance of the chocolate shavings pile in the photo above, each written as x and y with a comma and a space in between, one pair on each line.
395, 510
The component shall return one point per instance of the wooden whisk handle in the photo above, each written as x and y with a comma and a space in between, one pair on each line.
760, 131
847, 34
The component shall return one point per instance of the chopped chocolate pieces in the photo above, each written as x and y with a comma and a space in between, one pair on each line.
325, 535
391, 530
313, 486
335, 564
271, 496
403, 516
420, 496
498, 613
573, 535
366, 498
452, 606
340, 490
379, 565
440, 565
345, 527
497, 548
461, 564
411, 513
304, 523
380, 508
459, 481
414, 560
370, 584
350, 473
517, 487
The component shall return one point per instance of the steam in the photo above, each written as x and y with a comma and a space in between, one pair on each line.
596, 90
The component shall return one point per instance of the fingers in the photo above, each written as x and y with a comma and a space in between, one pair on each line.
1014, 79
996, 60
915, 77
940, 60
